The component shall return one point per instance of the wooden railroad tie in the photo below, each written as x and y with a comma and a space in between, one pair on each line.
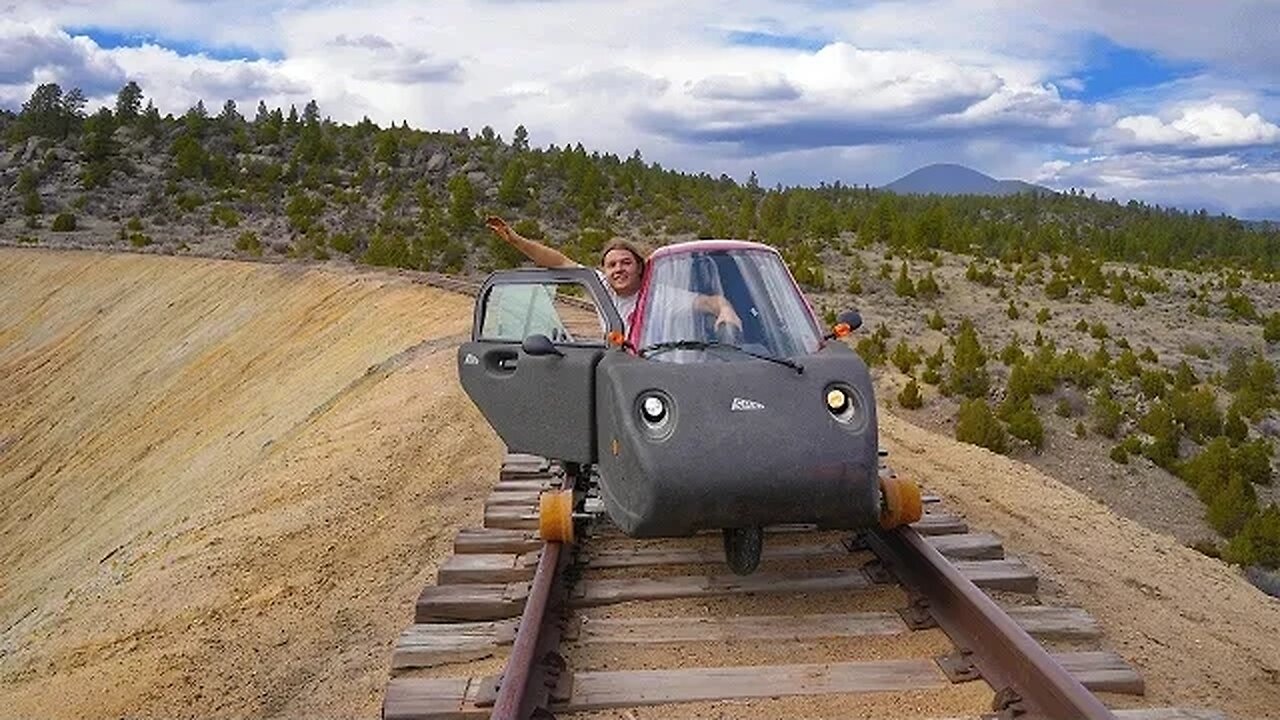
473, 610
436, 698
431, 644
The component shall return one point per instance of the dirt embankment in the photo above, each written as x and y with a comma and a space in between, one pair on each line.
224, 483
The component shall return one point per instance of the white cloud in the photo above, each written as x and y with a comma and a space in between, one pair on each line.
37, 53
1221, 182
1212, 126
763, 87
986, 82
175, 82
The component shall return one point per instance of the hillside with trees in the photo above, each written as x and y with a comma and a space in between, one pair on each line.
1054, 327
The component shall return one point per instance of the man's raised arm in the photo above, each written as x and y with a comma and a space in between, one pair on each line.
540, 254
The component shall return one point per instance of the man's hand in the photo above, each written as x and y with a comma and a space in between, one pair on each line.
727, 315
499, 227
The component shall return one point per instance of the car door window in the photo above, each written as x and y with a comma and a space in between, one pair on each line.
564, 312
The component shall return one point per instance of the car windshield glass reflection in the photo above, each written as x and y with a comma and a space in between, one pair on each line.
775, 319
561, 311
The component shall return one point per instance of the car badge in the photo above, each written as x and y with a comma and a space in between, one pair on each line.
744, 404
470, 359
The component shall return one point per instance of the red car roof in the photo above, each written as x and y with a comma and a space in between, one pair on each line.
706, 245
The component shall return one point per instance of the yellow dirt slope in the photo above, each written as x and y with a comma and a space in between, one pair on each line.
223, 483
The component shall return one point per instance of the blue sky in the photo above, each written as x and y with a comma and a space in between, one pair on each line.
1111, 70
110, 39
1167, 101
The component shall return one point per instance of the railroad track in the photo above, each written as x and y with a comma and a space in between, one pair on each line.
928, 622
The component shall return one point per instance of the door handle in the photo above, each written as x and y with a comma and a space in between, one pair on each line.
501, 362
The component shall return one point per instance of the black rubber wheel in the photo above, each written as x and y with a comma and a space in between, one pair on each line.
742, 548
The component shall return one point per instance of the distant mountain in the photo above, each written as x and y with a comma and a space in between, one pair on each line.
949, 179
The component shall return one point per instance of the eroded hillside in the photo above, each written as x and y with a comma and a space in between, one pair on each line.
225, 482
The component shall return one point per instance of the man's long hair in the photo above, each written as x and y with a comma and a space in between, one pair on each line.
619, 243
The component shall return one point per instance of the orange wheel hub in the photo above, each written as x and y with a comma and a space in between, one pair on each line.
901, 504
555, 516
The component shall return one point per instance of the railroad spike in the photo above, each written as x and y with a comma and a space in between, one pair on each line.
560, 691
958, 666
1007, 705
856, 542
554, 662
878, 573
916, 615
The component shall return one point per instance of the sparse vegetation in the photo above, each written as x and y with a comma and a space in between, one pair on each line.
248, 242
977, 425
401, 197
64, 222
910, 396
968, 373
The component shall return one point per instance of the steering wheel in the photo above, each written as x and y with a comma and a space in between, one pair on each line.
729, 334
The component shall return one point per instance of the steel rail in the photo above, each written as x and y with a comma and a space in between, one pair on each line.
1028, 682
517, 698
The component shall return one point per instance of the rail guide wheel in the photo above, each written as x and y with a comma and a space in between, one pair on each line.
555, 516
900, 502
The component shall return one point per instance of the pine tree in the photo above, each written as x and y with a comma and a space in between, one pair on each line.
1258, 542
128, 103
1271, 329
1025, 424
904, 357
910, 396
462, 204
977, 425
512, 189
1234, 428
927, 287
904, 287
1230, 509
968, 375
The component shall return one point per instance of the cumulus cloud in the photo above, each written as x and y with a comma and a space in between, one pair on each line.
175, 82
848, 96
1228, 182
243, 80
31, 54
723, 86
1204, 127
766, 88
367, 42
377, 58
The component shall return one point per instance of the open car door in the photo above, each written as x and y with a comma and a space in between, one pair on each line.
530, 366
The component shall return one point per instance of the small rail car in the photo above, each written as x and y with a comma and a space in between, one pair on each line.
681, 423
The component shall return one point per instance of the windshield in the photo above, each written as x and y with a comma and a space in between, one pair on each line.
685, 286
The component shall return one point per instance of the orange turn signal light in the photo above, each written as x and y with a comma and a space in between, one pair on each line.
841, 330
616, 338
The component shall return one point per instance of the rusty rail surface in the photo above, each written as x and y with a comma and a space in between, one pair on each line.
538, 635
1028, 682
1026, 679
505, 591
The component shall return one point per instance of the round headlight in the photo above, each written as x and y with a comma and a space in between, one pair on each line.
837, 400
842, 404
653, 409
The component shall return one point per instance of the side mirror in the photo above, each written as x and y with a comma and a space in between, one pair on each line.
539, 344
846, 322
852, 318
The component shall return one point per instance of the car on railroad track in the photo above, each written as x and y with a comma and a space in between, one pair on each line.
683, 423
